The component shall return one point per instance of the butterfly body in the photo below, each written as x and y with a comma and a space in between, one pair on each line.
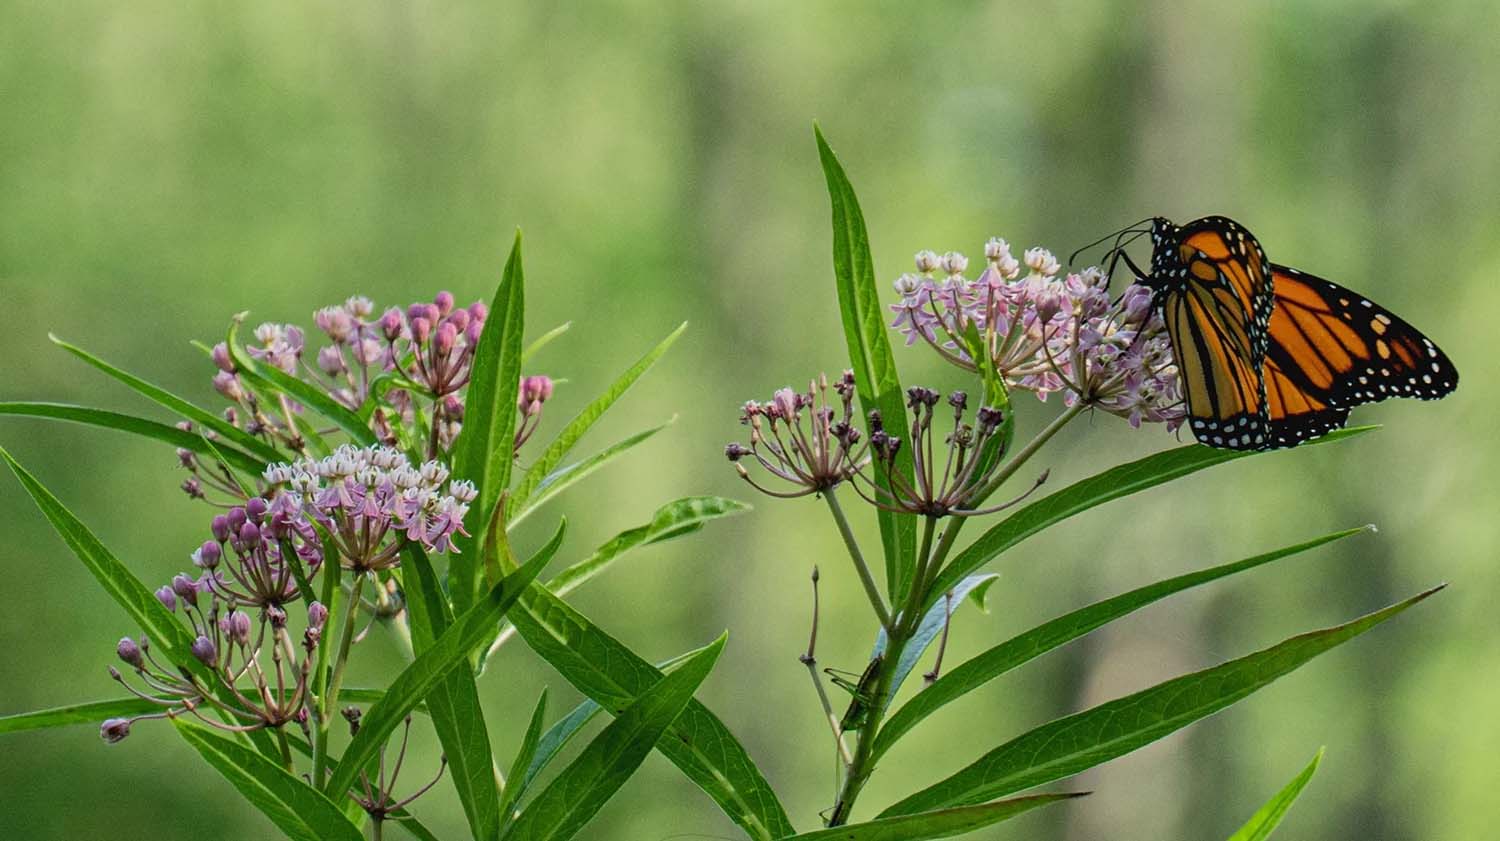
1271, 356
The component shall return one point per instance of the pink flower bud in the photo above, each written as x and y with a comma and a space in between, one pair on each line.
446, 338
221, 358
444, 302
421, 328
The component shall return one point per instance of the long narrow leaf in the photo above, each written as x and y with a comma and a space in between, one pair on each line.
165, 632
485, 448
582, 789
1080, 741
1017, 650
570, 434
612, 675
874, 365
135, 426
273, 379
457, 714
543, 340
204, 418
555, 739
945, 823
94, 712
1116, 482
931, 626
515, 783
450, 651
1268, 817
297, 809
563, 478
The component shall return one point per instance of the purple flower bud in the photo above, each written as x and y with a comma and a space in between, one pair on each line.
416, 311
220, 527
255, 510
228, 385
459, 319
277, 616
735, 452
186, 457
192, 487
114, 730
129, 652
421, 328
474, 331
447, 337
186, 588
444, 302
203, 649
250, 534
221, 358
317, 615
331, 361
453, 407
236, 626
390, 324
168, 598
479, 311
237, 518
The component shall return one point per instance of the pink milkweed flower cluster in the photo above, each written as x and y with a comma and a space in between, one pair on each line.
799, 438
371, 500
252, 555
1045, 331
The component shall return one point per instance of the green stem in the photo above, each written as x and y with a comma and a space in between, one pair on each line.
871, 589
1030, 449
330, 697
286, 751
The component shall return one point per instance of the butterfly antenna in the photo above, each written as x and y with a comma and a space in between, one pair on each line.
1132, 228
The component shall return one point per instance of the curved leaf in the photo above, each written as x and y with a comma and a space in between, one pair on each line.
1080, 741
457, 714
485, 449
516, 782
555, 739
945, 823
544, 340
570, 434
136, 426
1116, 482
1269, 816
297, 809
989, 665
426, 672
273, 379
582, 789
204, 418
563, 478
874, 365
612, 675
931, 626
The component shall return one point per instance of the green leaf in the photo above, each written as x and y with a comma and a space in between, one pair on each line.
95, 712
614, 676
995, 662
1122, 480
544, 340
1080, 741
556, 738
580, 424
563, 478
427, 671
485, 448
166, 633
931, 626
297, 809
945, 823
874, 365
273, 379
1269, 816
582, 789
515, 783
457, 714
204, 418
135, 426
675, 519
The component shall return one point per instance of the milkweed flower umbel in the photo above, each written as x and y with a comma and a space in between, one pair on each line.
801, 439
1044, 331
371, 500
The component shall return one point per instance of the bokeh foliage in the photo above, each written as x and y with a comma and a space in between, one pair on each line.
163, 165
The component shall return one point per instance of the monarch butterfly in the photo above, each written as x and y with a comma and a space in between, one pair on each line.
1271, 356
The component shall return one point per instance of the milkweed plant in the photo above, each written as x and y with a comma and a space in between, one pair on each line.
364, 476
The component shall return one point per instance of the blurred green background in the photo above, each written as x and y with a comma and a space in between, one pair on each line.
166, 164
